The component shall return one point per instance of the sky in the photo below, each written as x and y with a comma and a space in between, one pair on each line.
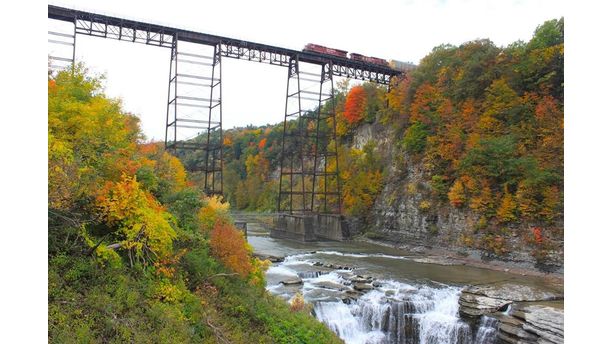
254, 93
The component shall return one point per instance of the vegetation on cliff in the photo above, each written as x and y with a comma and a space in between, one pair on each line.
136, 252
484, 122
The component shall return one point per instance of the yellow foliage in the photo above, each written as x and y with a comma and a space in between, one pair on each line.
297, 302
483, 201
456, 194
138, 220
424, 205
411, 188
168, 292
213, 210
507, 209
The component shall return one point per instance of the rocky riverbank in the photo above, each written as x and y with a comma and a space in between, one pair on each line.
445, 256
504, 312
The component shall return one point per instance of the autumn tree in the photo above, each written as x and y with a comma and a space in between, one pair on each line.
355, 106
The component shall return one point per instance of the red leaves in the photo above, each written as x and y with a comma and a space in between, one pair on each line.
537, 235
262, 143
355, 105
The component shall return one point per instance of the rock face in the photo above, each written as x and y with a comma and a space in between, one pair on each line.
403, 214
532, 324
481, 300
520, 320
473, 305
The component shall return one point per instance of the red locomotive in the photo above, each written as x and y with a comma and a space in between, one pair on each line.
325, 50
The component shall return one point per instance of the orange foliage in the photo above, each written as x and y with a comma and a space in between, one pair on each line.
355, 105
456, 195
537, 235
262, 143
230, 247
398, 95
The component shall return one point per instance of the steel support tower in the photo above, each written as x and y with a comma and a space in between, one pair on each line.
194, 114
61, 45
309, 179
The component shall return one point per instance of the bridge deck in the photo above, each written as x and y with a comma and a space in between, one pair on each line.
93, 24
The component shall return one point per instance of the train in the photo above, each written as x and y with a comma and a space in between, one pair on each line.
399, 65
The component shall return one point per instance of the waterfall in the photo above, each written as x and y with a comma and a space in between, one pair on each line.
309, 274
425, 316
392, 312
487, 331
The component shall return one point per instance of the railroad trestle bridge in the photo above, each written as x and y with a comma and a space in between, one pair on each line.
309, 174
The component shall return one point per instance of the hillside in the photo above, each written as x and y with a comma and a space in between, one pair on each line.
465, 153
136, 252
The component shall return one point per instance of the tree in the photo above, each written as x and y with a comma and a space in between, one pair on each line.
355, 106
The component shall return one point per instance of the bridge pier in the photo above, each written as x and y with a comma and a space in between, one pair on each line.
309, 227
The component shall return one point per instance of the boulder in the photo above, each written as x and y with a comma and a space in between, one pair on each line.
362, 287
292, 281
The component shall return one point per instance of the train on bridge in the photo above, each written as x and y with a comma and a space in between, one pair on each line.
399, 65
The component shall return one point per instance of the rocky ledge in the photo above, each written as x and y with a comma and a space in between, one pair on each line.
531, 324
521, 318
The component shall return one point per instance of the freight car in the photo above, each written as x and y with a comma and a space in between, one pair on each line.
403, 66
325, 50
368, 59
398, 65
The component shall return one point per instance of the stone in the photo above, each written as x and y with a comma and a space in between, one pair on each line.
531, 324
358, 279
480, 300
330, 285
292, 281
514, 292
546, 322
474, 305
363, 286
418, 249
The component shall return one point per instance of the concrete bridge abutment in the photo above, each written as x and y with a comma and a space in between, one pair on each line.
310, 227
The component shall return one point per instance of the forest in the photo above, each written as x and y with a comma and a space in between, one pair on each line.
137, 253
484, 122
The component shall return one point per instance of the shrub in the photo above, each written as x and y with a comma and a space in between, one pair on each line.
230, 247
415, 138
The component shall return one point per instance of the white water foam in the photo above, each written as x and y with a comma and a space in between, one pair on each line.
394, 312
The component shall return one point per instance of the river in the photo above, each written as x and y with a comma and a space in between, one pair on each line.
368, 293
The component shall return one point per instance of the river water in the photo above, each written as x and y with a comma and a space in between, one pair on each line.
414, 299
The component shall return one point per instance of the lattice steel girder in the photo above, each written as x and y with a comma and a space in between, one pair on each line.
158, 35
305, 181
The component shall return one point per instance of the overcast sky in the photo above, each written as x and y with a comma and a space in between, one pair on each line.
254, 93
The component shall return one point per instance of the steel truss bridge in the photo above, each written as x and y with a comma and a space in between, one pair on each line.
309, 174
